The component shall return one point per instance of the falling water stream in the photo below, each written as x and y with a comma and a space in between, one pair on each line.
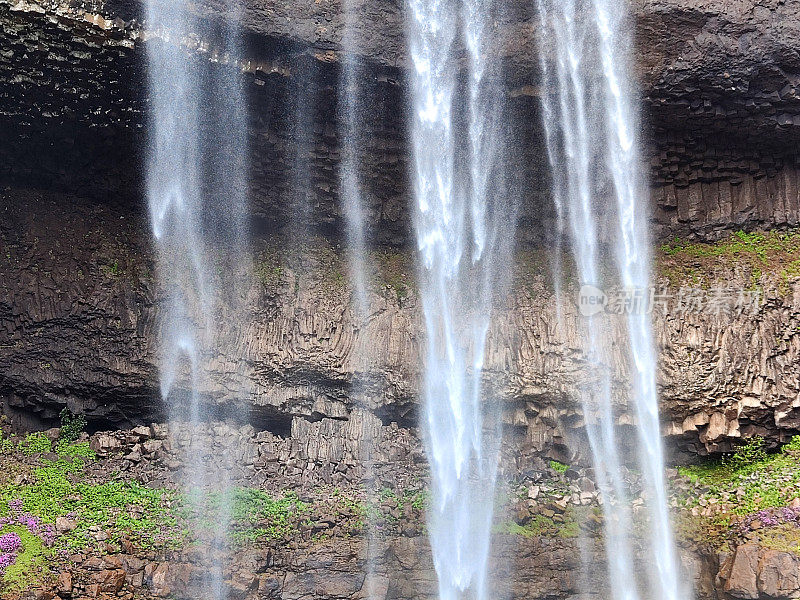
464, 222
196, 180
461, 228
591, 125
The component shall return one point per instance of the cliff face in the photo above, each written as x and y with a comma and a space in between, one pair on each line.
79, 313
719, 99
79, 305
79, 327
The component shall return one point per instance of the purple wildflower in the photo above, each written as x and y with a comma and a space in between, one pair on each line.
6, 560
48, 535
29, 521
10, 542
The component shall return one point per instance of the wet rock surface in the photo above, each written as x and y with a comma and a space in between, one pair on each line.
78, 300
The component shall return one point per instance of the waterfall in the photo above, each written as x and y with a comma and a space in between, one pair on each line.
196, 188
464, 237
591, 124
351, 115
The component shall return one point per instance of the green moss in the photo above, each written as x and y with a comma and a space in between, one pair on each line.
31, 563
543, 526
757, 244
268, 269
395, 270
784, 538
773, 254
558, 467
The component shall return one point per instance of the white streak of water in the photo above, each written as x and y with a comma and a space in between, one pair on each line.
464, 226
351, 113
196, 181
590, 124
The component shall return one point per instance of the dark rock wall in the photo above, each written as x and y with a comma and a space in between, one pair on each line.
79, 303
719, 96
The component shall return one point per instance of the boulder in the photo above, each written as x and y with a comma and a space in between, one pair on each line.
740, 573
779, 574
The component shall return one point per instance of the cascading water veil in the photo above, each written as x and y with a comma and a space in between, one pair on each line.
464, 232
350, 113
196, 187
591, 127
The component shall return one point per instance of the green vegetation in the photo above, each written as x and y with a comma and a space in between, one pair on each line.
558, 467
268, 269
30, 564
55, 490
774, 254
747, 471
147, 517
112, 270
750, 484
76, 450
71, 426
739, 243
35, 443
543, 526
253, 514
395, 269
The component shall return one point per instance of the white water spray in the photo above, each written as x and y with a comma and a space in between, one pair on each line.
350, 116
196, 182
465, 226
591, 128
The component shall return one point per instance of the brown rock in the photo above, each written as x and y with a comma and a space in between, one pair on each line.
741, 580
779, 574
110, 580
104, 443
64, 583
159, 578
242, 584
64, 524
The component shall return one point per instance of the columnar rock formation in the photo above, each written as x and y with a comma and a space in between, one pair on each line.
78, 300
78, 328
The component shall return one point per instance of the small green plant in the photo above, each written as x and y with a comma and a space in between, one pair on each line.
558, 467
112, 270
72, 426
748, 455
35, 443
70, 451
793, 445
7, 446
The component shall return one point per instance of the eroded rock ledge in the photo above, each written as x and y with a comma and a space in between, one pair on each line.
78, 327
316, 545
719, 90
